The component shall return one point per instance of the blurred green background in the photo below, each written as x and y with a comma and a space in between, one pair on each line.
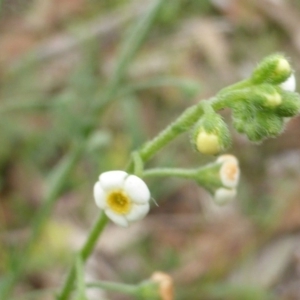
57, 58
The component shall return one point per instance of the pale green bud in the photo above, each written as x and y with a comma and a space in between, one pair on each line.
273, 100
265, 95
274, 69
207, 143
211, 135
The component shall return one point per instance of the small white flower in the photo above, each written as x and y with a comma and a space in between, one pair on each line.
229, 171
290, 84
123, 197
222, 196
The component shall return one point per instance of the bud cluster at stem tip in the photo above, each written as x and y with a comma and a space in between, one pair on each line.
260, 110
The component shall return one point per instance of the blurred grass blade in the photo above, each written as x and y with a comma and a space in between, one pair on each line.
189, 87
127, 52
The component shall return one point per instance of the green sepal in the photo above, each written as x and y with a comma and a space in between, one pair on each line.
208, 177
257, 123
263, 126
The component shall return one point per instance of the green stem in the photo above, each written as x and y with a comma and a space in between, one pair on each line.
207, 176
83, 254
170, 172
188, 118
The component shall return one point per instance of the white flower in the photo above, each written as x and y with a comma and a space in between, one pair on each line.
223, 196
123, 197
229, 171
289, 84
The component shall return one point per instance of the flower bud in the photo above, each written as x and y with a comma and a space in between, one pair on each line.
264, 95
273, 100
274, 69
220, 178
208, 143
211, 135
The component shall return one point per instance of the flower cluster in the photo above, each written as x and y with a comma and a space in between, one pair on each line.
123, 197
260, 107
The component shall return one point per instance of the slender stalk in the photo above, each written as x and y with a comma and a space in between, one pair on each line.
83, 254
172, 172
188, 118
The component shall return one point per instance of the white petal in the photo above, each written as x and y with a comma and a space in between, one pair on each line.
136, 189
116, 218
99, 195
223, 196
289, 84
138, 211
112, 180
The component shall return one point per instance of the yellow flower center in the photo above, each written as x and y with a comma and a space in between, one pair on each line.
119, 202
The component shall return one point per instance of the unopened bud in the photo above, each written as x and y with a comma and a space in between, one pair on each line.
207, 143
274, 69
211, 135
273, 99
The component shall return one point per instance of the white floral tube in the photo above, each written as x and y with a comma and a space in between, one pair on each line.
229, 174
123, 197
